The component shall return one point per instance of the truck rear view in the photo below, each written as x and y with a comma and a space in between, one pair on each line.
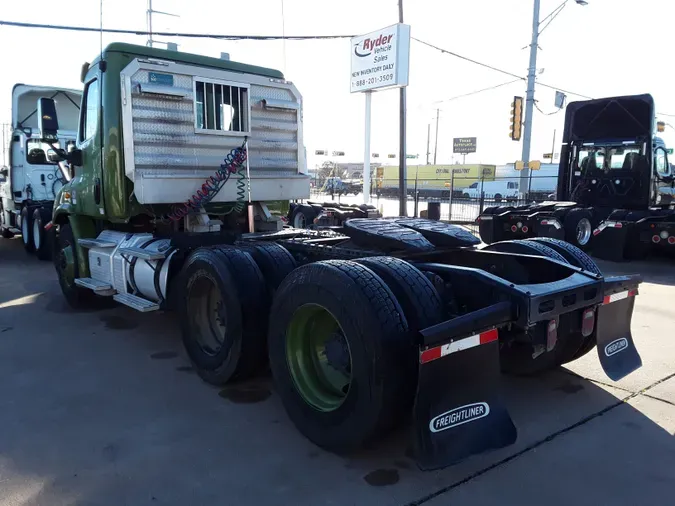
183, 168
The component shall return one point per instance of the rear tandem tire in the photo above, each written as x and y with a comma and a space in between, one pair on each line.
275, 262
338, 348
41, 239
420, 301
27, 230
222, 308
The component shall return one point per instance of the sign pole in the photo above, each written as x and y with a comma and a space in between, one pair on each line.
366, 153
402, 190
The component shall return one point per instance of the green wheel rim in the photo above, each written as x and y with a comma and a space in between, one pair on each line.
318, 357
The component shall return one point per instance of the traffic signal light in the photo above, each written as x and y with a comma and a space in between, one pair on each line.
516, 118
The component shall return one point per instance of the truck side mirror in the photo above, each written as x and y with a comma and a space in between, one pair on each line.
4, 172
48, 121
661, 165
75, 157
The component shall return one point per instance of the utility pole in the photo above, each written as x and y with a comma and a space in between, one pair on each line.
529, 101
402, 190
438, 115
428, 140
149, 14
531, 76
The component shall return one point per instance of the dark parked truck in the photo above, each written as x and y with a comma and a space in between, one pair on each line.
183, 168
614, 184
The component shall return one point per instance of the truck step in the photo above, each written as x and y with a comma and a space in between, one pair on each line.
142, 253
95, 243
95, 285
137, 303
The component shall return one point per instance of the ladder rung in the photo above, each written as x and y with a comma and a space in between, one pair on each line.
95, 243
135, 302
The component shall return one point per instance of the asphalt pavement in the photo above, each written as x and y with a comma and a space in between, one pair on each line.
103, 408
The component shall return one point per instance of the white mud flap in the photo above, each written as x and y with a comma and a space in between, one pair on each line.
458, 411
617, 352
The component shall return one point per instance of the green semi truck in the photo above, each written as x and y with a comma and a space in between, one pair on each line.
175, 195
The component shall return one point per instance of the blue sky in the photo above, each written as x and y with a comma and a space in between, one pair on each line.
609, 47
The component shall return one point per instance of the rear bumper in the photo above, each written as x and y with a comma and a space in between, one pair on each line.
612, 239
458, 410
510, 226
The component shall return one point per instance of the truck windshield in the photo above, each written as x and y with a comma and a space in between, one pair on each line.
606, 157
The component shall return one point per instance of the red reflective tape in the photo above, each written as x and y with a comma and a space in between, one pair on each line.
48, 226
608, 299
458, 345
430, 354
489, 336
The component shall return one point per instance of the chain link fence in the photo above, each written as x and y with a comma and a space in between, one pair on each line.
461, 200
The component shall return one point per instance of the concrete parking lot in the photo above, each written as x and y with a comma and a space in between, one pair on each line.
102, 408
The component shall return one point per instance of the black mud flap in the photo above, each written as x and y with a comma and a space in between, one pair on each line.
458, 411
617, 352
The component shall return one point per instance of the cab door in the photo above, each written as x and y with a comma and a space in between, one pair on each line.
86, 190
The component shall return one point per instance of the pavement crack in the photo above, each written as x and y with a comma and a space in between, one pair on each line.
659, 399
539, 443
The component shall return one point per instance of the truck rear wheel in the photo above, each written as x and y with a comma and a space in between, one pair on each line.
27, 230
303, 216
338, 345
578, 228
274, 260
572, 254
421, 303
221, 305
41, 244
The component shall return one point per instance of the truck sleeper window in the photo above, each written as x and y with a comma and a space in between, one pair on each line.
221, 107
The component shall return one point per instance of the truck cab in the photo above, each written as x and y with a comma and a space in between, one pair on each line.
30, 178
612, 164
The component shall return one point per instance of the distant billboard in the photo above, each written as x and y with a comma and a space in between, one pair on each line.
464, 145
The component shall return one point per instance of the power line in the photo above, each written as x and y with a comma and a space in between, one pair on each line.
546, 113
465, 58
564, 91
172, 34
491, 67
477, 91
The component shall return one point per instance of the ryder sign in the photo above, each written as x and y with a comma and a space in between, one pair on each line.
380, 59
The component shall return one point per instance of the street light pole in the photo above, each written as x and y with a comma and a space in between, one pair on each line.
529, 101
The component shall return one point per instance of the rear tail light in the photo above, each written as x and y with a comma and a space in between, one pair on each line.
671, 239
618, 225
656, 239
588, 322
514, 228
525, 229
551, 335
